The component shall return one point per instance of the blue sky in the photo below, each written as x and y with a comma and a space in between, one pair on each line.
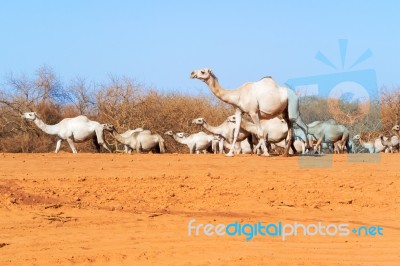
159, 43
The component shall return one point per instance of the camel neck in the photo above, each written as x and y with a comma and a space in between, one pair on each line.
179, 140
248, 126
212, 129
220, 92
49, 129
120, 138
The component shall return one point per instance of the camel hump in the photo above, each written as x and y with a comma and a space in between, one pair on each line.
332, 121
82, 118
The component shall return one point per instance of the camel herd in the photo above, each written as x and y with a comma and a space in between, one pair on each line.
273, 110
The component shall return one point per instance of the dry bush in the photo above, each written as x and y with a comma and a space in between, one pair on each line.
313, 108
127, 105
362, 118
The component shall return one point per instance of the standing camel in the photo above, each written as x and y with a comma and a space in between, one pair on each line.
141, 140
225, 131
76, 129
274, 130
263, 99
198, 142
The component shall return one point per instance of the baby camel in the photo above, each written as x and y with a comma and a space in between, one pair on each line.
198, 142
273, 131
226, 132
76, 129
139, 140
128, 133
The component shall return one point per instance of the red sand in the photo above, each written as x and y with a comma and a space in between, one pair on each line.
123, 209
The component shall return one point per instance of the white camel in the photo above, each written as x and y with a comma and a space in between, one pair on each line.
226, 131
138, 140
242, 147
129, 132
328, 132
198, 142
274, 130
263, 99
74, 130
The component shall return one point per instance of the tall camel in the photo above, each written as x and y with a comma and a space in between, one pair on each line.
262, 99
76, 129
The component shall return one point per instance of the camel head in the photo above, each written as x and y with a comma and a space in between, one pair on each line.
109, 127
169, 133
198, 121
30, 116
396, 128
202, 74
181, 134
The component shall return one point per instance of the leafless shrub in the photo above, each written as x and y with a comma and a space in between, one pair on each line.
127, 105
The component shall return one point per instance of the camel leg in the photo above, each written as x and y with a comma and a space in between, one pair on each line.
294, 113
221, 146
238, 117
137, 147
71, 144
318, 146
161, 144
290, 139
267, 149
126, 148
191, 149
96, 144
290, 132
214, 146
256, 147
106, 147
293, 148
260, 136
58, 145
303, 148
100, 139
250, 140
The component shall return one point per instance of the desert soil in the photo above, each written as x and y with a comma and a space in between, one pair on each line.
118, 209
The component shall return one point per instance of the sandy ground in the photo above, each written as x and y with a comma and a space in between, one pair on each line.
117, 209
